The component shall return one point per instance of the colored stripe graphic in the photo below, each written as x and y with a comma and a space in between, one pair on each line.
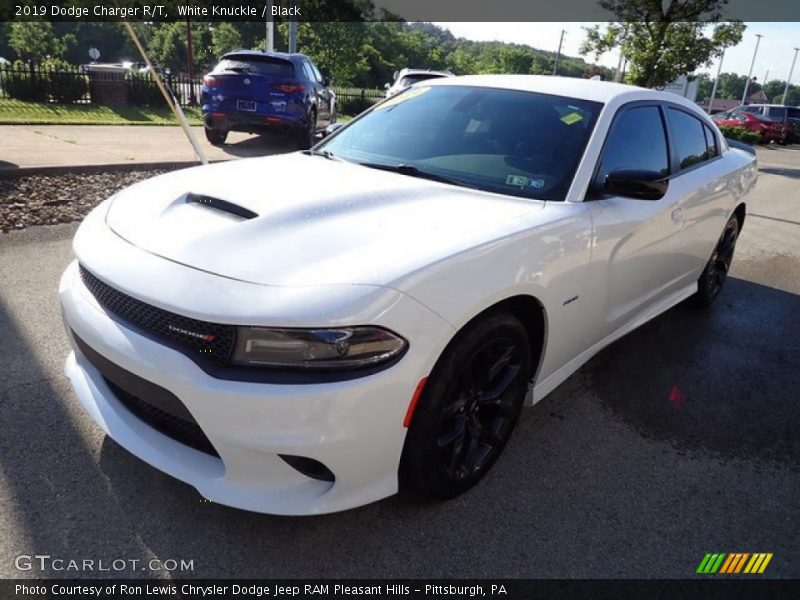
734, 563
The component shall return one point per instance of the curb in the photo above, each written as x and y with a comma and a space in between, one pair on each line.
13, 172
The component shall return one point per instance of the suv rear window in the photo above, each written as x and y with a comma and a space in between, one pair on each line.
417, 77
256, 64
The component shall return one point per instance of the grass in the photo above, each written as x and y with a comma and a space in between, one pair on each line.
19, 112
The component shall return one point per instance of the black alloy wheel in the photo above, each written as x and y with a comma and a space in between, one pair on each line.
307, 136
716, 271
469, 407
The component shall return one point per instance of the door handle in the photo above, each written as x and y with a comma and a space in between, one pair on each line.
677, 214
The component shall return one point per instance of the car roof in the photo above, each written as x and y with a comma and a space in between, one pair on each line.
585, 89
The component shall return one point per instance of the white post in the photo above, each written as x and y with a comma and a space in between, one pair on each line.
788, 79
270, 43
752, 64
716, 82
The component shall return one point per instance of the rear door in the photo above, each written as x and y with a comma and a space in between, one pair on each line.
637, 242
323, 95
698, 166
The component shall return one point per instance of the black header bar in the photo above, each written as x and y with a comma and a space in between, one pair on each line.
377, 10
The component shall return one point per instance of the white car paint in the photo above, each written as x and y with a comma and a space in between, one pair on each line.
368, 247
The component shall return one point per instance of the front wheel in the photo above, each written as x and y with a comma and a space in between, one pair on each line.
468, 408
716, 272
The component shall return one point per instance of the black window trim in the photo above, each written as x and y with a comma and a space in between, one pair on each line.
621, 111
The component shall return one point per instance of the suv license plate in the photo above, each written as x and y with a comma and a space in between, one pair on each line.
246, 105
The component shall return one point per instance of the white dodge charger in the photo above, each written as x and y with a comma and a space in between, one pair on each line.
308, 333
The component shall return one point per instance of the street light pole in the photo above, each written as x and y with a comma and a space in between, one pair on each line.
558, 54
788, 79
716, 82
269, 44
752, 64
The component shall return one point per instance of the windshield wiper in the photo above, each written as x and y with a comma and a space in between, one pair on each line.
323, 153
413, 171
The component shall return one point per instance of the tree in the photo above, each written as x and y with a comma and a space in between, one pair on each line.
168, 46
663, 40
35, 40
225, 38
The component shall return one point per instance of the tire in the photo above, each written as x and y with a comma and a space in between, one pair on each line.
307, 137
466, 415
716, 272
216, 136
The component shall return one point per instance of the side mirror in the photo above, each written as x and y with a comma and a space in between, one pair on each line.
386, 86
326, 81
636, 183
331, 129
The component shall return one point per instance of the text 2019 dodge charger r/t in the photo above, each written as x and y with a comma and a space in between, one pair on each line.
466, 245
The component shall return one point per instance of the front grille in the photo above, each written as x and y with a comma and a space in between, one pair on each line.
199, 339
180, 430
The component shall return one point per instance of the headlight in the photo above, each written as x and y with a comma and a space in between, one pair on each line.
342, 348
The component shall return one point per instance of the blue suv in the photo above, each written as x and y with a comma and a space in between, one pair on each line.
267, 92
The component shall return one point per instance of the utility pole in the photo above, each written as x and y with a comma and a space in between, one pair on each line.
752, 64
788, 79
716, 82
558, 54
293, 34
269, 45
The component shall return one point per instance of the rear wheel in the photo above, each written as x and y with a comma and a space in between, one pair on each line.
716, 272
469, 407
216, 136
307, 136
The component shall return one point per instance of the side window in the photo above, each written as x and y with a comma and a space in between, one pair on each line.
317, 74
307, 71
711, 142
636, 141
690, 140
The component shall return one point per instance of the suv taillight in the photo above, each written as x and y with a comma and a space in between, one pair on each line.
289, 88
209, 80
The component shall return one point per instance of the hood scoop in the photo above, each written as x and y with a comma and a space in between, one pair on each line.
220, 205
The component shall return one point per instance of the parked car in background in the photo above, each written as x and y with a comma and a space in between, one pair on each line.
407, 77
769, 129
776, 112
460, 251
264, 93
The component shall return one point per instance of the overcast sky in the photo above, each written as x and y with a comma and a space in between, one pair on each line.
774, 53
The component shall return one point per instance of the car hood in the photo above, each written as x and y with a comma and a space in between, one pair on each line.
317, 221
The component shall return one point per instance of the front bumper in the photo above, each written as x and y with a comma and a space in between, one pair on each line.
353, 427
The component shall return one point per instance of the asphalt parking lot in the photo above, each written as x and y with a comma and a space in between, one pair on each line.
680, 439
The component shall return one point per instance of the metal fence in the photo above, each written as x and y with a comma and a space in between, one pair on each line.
89, 85
98, 85
351, 101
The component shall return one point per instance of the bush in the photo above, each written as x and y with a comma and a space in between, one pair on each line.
741, 134
53, 79
20, 84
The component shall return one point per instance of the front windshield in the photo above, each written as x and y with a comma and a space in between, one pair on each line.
507, 141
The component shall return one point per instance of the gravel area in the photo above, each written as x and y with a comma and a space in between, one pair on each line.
49, 199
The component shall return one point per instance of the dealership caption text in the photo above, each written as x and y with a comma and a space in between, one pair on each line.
252, 590
154, 11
